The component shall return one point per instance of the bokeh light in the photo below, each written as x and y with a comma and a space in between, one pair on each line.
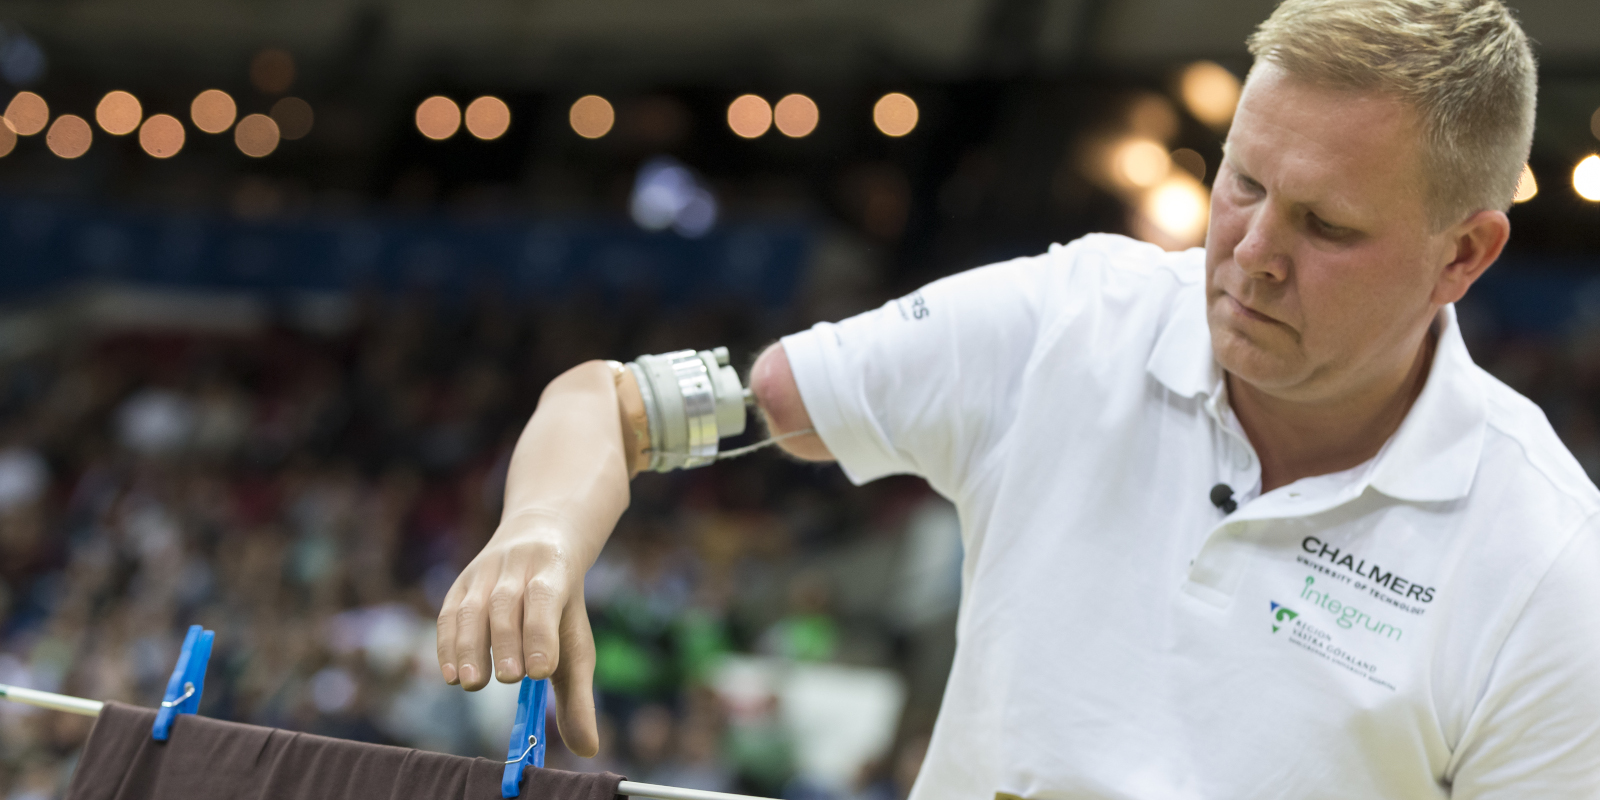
591, 116
22, 60
213, 111
69, 136
1527, 187
666, 194
1586, 178
796, 115
488, 118
256, 135
1210, 92
8, 138
294, 117
438, 117
272, 71
1178, 208
1191, 162
895, 114
1151, 116
28, 113
119, 113
1594, 123
749, 116
161, 135
1140, 163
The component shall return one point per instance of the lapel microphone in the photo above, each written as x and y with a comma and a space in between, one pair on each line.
1222, 497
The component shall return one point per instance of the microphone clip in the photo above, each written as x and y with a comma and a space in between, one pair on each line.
1222, 497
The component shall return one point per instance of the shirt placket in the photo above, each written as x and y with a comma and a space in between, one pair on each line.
1225, 553
1217, 567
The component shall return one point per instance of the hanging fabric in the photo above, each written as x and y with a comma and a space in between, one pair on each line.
209, 759
127, 754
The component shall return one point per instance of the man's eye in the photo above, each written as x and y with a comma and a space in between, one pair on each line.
1248, 185
1326, 229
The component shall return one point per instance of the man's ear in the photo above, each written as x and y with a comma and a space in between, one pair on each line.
1473, 244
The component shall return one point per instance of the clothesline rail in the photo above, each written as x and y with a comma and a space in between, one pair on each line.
91, 708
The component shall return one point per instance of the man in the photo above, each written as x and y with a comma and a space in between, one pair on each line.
1244, 522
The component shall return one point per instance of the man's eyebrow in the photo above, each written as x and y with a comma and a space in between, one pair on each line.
1326, 207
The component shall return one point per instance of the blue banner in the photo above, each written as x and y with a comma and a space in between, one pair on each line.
45, 244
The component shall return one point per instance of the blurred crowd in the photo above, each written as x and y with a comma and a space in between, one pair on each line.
310, 496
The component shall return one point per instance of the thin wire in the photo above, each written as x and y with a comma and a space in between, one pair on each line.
751, 448
533, 741
188, 691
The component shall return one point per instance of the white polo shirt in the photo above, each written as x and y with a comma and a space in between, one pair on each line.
1426, 625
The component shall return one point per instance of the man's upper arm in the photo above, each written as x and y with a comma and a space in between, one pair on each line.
1537, 728
925, 384
778, 396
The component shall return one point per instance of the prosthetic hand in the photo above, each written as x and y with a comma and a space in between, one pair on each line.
596, 426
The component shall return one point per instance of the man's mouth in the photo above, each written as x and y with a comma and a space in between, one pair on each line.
1247, 312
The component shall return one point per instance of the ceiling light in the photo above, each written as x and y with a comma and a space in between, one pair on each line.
895, 114
28, 113
438, 118
213, 111
1586, 178
119, 113
488, 118
256, 135
749, 116
161, 135
1527, 187
796, 116
69, 136
1210, 92
591, 116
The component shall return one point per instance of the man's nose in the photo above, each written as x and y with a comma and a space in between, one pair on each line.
1263, 251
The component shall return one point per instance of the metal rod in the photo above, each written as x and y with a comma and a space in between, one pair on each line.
674, 793
91, 708
59, 702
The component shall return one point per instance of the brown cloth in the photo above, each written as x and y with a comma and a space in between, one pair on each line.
208, 759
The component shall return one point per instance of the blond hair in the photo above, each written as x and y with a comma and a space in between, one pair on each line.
1464, 66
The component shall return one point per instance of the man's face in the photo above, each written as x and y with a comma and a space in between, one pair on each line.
1320, 261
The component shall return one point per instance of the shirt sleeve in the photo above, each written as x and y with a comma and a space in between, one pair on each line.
927, 383
1537, 726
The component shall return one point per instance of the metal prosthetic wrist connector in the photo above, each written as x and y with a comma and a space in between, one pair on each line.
691, 400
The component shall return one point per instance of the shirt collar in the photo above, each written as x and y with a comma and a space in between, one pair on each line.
1182, 358
1432, 457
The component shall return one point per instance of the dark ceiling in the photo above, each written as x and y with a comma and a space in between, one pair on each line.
542, 42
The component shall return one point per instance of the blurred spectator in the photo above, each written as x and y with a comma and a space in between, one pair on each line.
808, 632
24, 477
155, 422
310, 495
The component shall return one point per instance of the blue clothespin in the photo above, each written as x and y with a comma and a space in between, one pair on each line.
527, 735
187, 682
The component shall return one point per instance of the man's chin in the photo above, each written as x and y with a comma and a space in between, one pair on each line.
1249, 362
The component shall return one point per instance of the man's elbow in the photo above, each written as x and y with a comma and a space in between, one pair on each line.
778, 396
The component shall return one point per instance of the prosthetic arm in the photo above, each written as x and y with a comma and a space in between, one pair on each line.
517, 608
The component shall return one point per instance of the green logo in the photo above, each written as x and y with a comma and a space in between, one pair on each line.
1281, 614
1346, 615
